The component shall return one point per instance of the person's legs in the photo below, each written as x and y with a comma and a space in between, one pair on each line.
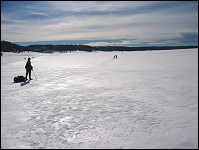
30, 75
26, 74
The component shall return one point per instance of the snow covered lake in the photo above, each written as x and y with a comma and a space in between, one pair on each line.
143, 99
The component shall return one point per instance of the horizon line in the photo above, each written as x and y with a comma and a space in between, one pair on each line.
135, 45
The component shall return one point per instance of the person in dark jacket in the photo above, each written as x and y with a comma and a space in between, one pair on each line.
29, 68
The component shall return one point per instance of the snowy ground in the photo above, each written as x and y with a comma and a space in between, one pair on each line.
90, 100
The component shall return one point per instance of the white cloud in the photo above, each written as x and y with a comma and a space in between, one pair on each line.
118, 43
37, 13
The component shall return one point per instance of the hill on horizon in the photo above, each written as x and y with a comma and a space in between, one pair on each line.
12, 47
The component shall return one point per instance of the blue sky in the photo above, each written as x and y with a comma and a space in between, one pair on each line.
126, 23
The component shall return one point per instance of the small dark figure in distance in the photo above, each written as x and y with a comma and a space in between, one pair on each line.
115, 57
29, 68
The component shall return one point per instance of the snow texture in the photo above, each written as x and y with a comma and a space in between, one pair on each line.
146, 99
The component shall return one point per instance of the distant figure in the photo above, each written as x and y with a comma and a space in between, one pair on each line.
115, 57
29, 68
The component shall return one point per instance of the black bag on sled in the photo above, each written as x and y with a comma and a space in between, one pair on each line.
19, 79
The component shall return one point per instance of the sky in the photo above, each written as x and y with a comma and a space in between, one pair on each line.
100, 23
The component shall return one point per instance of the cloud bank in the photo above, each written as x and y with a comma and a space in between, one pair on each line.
144, 22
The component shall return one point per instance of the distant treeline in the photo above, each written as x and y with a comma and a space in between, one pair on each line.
11, 47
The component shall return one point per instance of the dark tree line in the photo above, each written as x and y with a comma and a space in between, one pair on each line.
11, 47
65, 48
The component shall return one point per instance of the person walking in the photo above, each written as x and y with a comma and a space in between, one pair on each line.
29, 68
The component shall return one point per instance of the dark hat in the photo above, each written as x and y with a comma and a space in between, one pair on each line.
29, 58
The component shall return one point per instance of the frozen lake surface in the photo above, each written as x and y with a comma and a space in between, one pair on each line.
143, 99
